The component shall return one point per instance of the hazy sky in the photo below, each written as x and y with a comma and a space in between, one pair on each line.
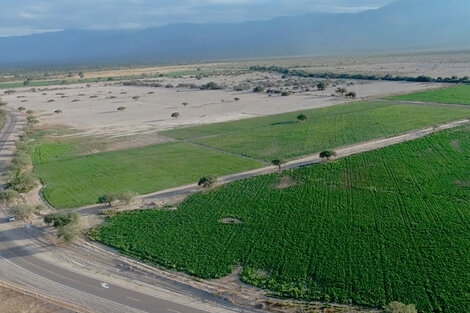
19, 17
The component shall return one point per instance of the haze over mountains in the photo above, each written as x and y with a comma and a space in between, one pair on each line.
407, 25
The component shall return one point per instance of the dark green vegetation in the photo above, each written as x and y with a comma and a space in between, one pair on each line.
329, 75
382, 226
283, 137
72, 180
454, 95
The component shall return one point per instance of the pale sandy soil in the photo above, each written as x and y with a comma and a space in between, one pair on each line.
93, 110
434, 64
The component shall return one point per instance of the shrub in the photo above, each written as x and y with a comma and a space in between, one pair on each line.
327, 154
285, 93
175, 115
136, 98
302, 117
211, 86
29, 112
121, 108
24, 182
258, 89
9, 195
207, 181
236, 99
67, 223
322, 85
58, 111
351, 94
24, 210
21, 109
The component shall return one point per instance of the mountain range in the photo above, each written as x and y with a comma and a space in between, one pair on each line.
406, 25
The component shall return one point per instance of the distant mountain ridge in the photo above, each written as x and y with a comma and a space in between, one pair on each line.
419, 24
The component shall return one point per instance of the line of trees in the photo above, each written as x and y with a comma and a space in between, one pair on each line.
388, 77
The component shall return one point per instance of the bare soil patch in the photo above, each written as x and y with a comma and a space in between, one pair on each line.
285, 182
230, 220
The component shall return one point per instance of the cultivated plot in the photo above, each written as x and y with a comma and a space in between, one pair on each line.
453, 95
72, 181
283, 136
385, 225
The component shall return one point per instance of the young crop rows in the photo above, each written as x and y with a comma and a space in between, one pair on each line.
387, 225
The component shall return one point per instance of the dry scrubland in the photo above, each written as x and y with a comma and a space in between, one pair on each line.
93, 110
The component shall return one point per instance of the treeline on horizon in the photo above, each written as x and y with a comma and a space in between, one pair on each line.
300, 73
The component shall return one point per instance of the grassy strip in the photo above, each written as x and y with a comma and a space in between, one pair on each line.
453, 95
282, 136
385, 225
73, 181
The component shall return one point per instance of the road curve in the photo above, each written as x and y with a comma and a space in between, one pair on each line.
19, 264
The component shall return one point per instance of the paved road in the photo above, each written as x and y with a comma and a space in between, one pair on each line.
19, 263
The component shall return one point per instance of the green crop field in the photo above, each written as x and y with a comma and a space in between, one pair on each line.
72, 181
453, 95
281, 136
382, 226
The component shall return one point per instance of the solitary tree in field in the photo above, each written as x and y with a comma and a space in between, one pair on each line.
327, 154
108, 198
351, 94
278, 163
322, 85
175, 115
302, 117
207, 181
341, 90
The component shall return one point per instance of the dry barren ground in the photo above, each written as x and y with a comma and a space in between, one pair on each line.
16, 300
92, 109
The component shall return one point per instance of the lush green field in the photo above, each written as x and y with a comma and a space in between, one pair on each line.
72, 181
453, 95
385, 225
281, 136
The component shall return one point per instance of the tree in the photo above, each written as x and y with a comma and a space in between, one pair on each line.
327, 154
9, 195
108, 198
81, 74
302, 117
341, 90
121, 108
398, 307
351, 94
21, 109
278, 163
322, 85
24, 211
67, 224
258, 89
207, 181
135, 98
24, 182
175, 115
184, 103
58, 111
285, 93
